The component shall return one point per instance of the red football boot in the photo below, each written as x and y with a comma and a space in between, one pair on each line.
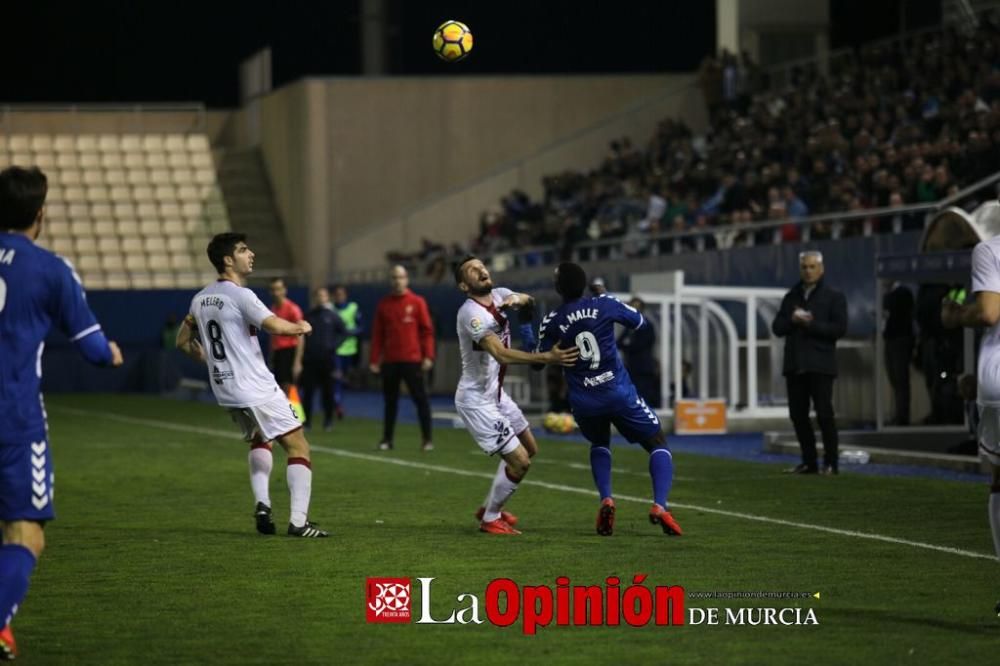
508, 518
606, 517
660, 516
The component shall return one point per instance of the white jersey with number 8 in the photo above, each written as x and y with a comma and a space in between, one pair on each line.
228, 318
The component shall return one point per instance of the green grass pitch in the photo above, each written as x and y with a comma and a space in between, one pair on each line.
154, 560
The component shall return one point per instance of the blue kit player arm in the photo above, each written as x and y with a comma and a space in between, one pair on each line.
74, 318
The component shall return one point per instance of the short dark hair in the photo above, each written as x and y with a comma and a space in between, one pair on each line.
339, 285
224, 245
457, 270
571, 280
22, 195
277, 278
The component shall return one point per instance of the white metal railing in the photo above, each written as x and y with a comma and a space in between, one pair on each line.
676, 300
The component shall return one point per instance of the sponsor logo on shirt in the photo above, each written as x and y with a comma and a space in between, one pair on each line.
602, 378
219, 376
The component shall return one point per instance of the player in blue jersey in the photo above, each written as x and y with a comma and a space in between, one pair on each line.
38, 290
601, 392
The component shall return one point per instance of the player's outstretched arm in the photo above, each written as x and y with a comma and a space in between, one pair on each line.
277, 326
984, 311
186, 340
555, 356
517, 300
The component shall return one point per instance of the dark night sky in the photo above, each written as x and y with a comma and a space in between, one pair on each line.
104, 51
136, 50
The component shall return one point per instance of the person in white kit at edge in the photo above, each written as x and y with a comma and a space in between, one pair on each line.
985, 312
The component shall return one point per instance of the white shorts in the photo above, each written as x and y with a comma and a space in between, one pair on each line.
494, 426
266, 422
989, 433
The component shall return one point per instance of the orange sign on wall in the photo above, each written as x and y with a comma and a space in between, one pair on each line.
696, 417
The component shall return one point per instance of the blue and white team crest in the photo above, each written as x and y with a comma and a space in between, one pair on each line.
41, 482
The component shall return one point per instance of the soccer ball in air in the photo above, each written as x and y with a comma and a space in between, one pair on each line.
452, 41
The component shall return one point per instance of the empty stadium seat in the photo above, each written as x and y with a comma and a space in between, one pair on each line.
132, 244
131, 143
112, 160
197, 143
158, 262
127, 209
164, 281
63, 143
108, 143
143, 193
98, 193
129, 228
113, 262
101, 211
175, 143
18, 143
108, 245
105, 227
140, 281
182, 262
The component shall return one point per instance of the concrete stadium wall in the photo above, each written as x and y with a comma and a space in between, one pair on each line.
351, 160
25, 120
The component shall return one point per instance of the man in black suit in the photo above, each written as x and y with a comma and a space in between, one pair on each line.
811, 319
898, 336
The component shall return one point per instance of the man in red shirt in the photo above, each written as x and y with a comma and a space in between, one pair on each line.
402, 349
286, 350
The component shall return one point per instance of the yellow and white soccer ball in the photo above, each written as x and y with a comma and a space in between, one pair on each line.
561, 424
452, 41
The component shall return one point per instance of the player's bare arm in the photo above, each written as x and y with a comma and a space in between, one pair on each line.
556, 356
984, 311
297, 363
186, 340
116, 354
277, 326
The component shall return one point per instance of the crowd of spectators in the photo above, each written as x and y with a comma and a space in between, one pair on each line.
901, 123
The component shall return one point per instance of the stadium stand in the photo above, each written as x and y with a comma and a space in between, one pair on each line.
896, 124
128, 210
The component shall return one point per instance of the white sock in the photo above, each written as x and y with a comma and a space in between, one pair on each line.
500, 472
299, 477
500, 492
995, 520
261, 463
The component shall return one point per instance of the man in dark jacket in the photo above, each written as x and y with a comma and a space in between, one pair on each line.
318, 357
811, 319
898, 336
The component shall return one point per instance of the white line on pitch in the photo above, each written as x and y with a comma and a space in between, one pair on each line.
228, 434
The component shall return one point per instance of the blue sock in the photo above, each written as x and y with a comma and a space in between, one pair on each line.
661, 470
600, 465
16, 565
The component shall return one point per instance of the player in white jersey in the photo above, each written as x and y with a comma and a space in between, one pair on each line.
985, 311
221, 329
492, 418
